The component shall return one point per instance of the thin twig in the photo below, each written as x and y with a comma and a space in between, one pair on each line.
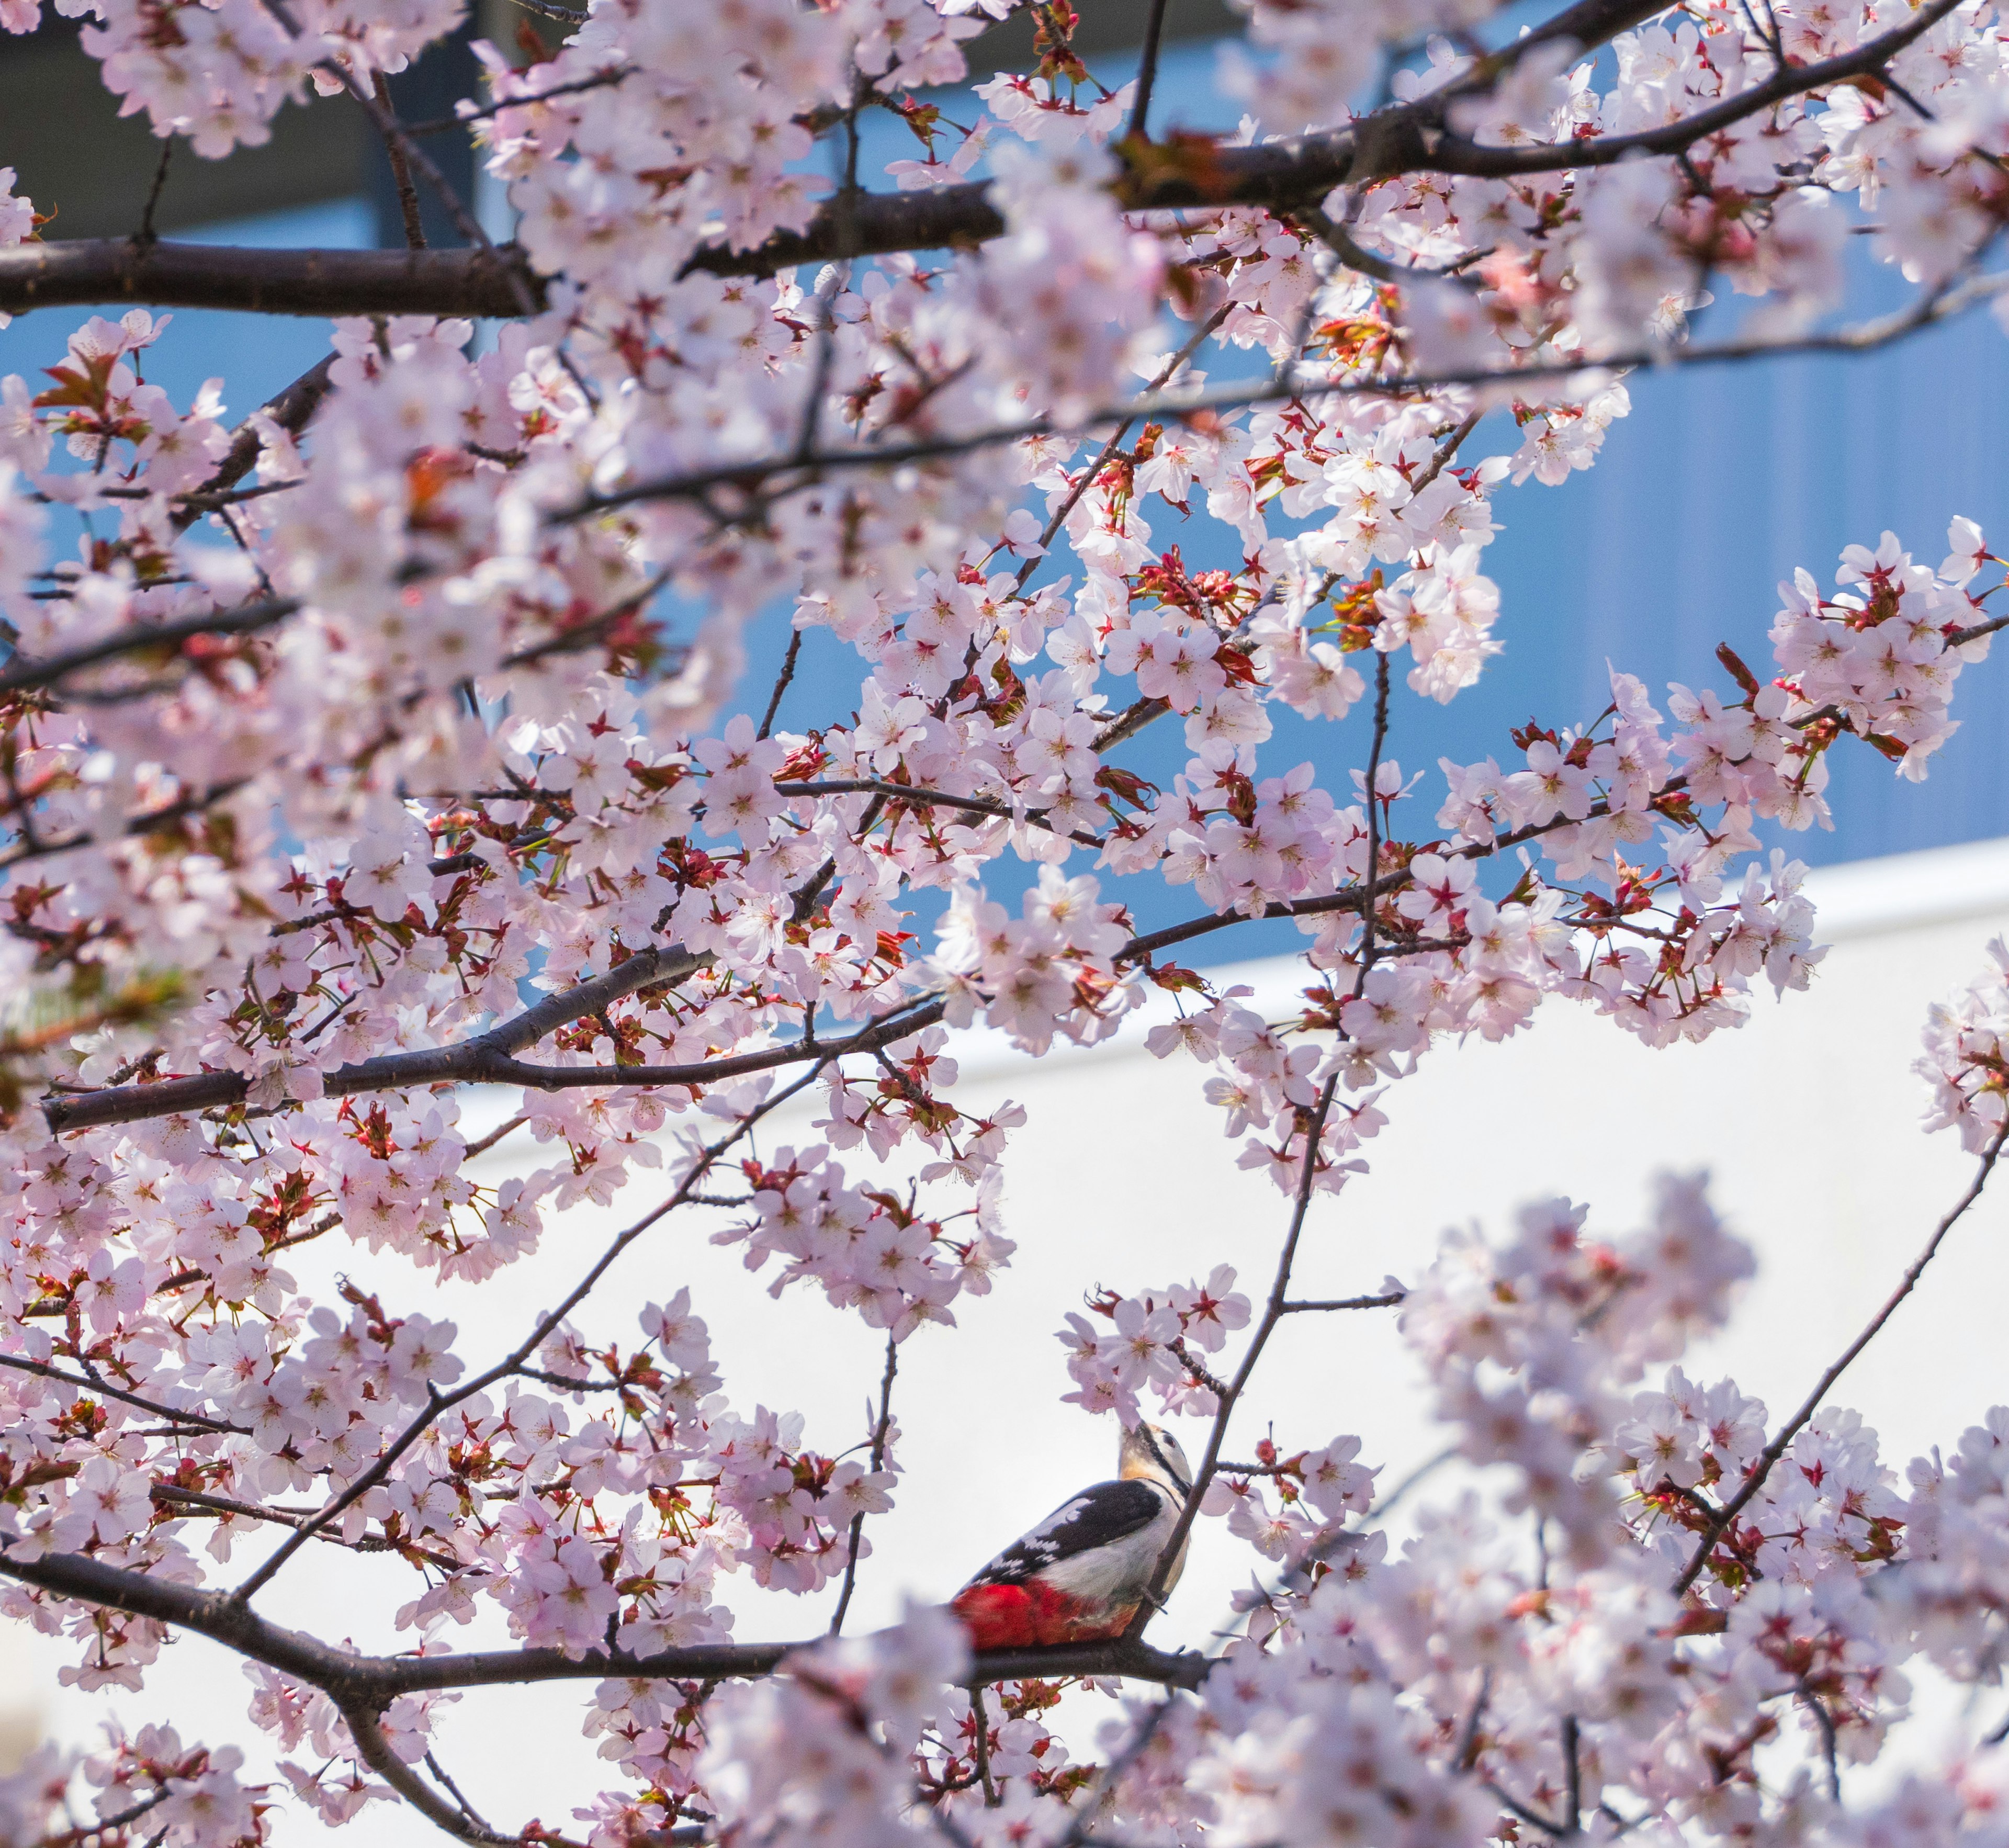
1273, 1313
1305, 1307
1572, 1774
1147, 72
992, 1796
880, 1431
147, 234
1825, 1721
401, 172
1769, 1456
782, 680
494, 1136
599, 81
453, 1791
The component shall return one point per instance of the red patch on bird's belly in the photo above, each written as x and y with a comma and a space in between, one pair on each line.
1026, 1615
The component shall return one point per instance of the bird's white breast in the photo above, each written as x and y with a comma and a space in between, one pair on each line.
1120, 1572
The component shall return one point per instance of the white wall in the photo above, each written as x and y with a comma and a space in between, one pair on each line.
1807, 1118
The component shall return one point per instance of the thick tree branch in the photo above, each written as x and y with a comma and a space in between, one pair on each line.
368, 1681
489, 1058
78, 272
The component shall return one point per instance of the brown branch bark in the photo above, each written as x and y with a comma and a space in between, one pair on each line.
490, 1058
77, 272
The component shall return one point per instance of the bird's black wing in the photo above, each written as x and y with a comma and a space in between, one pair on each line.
1097, 1516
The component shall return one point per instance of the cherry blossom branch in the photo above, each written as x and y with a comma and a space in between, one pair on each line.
144, 823
487, 1058
364, 1720
438, 1403
1867, 59
406, 152
1769, 1456
494, 1136
782, 682
284, 1517
452, 1789
98, 1388
920, 798
1411, 138
401, 172
123, 1819
25, 673
1825, 1721
1932, 308
1532, 1816
600, 80
1147, 71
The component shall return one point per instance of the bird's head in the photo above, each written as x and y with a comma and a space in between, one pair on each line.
1150, 1450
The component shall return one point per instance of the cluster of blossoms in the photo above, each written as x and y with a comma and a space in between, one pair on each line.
218, 74
392, 772
896, 1267
1499, 1334
1155, 1335
1966, 1059
148, 1787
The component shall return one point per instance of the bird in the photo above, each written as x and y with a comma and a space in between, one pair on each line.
1080, 1575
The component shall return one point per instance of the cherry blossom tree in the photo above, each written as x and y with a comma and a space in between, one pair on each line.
394, 741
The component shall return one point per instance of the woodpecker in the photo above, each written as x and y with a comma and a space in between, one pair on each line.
1079, 1576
